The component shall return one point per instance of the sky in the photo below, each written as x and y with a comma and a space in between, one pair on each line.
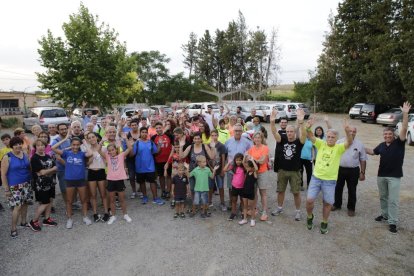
162, 25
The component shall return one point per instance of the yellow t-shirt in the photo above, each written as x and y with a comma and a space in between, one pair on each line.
327, 160
223, 135
4, 151
205, 140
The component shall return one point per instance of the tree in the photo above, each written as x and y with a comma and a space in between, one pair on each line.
87, 67
190, 53
205, 59
151, 68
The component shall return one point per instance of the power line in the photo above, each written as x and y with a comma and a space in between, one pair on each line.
16, 79
1, 70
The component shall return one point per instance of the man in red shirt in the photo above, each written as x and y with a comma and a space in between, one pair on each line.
164, 143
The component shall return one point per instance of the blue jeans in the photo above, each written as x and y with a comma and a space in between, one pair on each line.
200, 198
61, 179
326, 186
218, 180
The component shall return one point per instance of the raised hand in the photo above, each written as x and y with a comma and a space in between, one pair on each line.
310, 122
300, 114
326, 118
216, 167
273, 115
406, 107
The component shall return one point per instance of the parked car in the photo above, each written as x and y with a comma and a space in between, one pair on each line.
289, 108
266, 110
355, 110
391, 117
130, 112
44, 116
157, 108
245, 110
194, 108
79, 113
370, 111
410, 131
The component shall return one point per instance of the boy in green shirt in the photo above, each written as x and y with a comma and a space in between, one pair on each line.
202, 173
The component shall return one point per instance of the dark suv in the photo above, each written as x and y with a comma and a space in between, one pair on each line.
370, 111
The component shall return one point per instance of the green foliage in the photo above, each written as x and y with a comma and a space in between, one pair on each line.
11, 122
277, 98
367, 56
304, 91
151, 68
89, 67
233, 58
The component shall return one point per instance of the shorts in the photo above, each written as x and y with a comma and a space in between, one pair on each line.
229, 176
61, 180
145, 177
180, 198
159, 168
20, 194
264, 180
43, 197
249, 196
200, 198
218, 180
292, 177
75, 183
326, 186
96, 175
115, 186
236, 192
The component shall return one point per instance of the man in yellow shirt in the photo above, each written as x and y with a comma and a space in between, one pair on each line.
325, 172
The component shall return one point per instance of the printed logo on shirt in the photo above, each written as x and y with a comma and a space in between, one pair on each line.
289, 150
75, 161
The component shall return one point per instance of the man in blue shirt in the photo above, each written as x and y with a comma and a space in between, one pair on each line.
63, 131
144, 150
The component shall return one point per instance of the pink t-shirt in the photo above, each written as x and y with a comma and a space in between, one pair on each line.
116, 168
238, 178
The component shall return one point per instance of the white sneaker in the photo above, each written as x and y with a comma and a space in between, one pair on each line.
133, 195
140, 195
252, 223
277, 211
243, 221
87, 221
111, 220
298, 216
69, 224
223, 208
127, 218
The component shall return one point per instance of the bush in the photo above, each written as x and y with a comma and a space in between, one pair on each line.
277, 98
11, 122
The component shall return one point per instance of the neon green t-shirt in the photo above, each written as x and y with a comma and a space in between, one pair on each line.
327, 160
201, 176
223, 135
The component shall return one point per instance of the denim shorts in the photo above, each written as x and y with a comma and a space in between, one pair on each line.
326, 186
229, 177
200, 198
218, 181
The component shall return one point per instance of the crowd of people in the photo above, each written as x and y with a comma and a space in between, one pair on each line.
190, 160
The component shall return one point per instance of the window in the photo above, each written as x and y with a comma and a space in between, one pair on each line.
9, 103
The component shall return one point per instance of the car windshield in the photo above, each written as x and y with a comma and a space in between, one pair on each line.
53, 113
357, 106
302, 106
368, 107
394, 110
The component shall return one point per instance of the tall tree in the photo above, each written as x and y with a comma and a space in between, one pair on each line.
205, 59
151, 68
190, 53
87, 67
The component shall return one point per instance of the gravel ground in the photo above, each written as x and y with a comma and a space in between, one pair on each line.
156, 244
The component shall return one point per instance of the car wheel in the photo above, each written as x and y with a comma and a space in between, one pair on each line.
409, 139
268, 119
363, 121
351, 116
25, 128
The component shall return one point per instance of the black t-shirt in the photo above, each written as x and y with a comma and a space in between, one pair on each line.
180, 185
249, 118
392, 158
289, 159
38, 163
249, 183
278, 151
220, 150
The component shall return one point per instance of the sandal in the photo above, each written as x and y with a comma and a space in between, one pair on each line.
176, 215
13, 234
182, 215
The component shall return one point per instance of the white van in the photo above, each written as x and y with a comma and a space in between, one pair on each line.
196, 108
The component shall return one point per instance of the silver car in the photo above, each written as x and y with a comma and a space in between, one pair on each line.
391, 117
354, 111
44, 116
266, 110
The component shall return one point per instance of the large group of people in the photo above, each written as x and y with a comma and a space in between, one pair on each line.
190, 160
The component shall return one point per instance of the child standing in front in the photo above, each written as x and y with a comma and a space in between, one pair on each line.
201, 174
237, 182
116, 175
249, 190
180, 189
